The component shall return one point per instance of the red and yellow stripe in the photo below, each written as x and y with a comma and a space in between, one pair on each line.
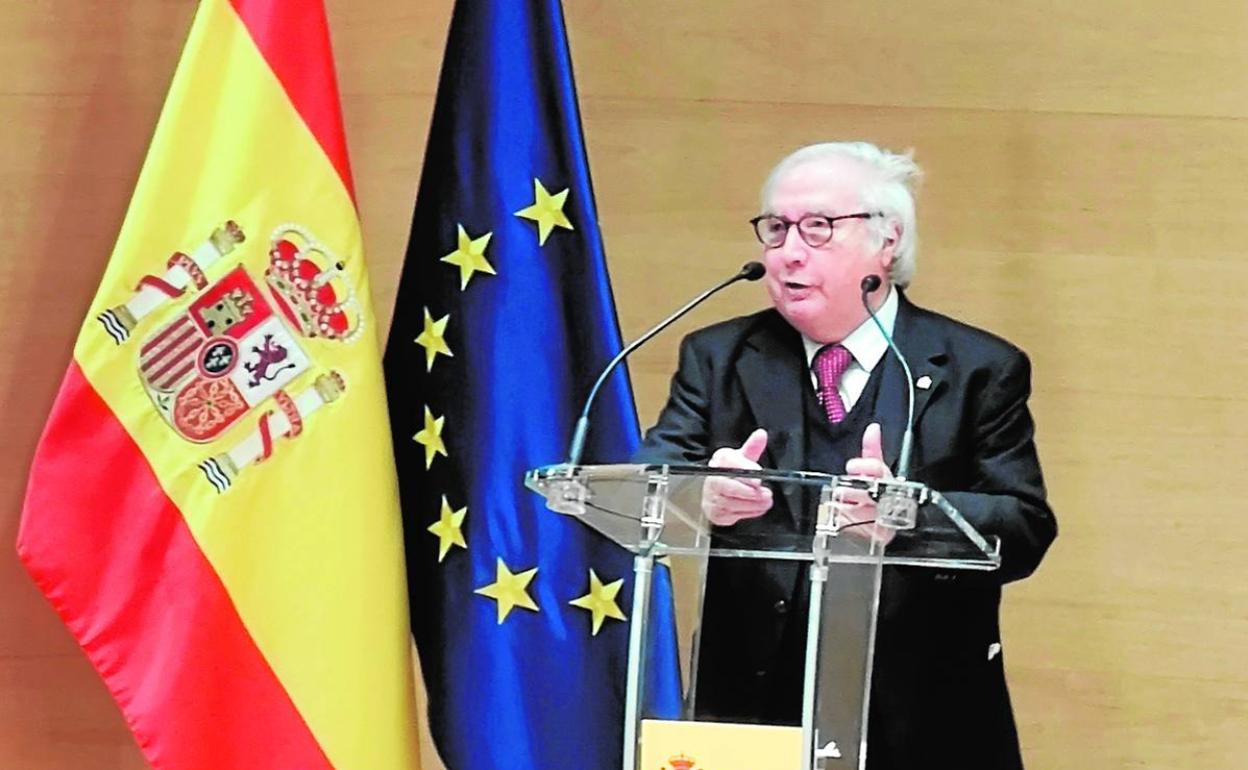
267, 626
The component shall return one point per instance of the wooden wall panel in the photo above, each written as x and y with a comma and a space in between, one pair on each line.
1112, 56
1083, 198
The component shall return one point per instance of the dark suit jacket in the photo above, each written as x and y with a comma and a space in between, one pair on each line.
937, 698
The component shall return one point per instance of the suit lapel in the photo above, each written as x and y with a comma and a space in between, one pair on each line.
890, 407
928, 357
772, 369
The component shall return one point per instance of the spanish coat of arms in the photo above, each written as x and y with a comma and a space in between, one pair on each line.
238, 345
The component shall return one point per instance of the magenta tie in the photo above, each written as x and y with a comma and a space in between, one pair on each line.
830, 363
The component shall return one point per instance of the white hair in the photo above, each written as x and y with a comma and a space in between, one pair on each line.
893, 194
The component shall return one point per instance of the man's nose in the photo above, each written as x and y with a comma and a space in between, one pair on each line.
794, 249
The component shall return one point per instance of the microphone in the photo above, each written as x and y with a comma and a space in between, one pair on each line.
750, 271
870, 284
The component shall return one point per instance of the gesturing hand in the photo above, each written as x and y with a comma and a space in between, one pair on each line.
727, 500
871, 461
871, 464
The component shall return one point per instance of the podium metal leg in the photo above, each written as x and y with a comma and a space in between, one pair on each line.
814, 619
643, 566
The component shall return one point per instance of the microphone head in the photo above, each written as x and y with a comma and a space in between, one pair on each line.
870, 283
752, 271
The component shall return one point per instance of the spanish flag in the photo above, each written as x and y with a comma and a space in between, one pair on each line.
212, 508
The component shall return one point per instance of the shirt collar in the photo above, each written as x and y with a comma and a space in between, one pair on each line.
865, 343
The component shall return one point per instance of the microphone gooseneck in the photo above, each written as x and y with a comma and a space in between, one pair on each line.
870, 284
750, 271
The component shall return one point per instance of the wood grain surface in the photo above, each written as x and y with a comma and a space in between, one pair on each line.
1084, 198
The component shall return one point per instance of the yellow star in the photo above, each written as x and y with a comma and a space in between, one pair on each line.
431, 437
469, 256
546, 211
600, 601
448, 529
432, 339
508, 590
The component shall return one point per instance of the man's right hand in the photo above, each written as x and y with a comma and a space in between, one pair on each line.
727, 500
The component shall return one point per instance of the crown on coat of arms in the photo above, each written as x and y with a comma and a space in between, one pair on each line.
310, 287
227, 236
681, 762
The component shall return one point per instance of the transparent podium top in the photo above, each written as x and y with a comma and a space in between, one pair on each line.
661, 509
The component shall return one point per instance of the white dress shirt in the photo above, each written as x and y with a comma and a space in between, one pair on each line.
866, 345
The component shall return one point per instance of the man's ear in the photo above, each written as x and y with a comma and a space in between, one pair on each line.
892, 234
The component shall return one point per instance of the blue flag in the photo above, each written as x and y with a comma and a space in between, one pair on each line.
504, 317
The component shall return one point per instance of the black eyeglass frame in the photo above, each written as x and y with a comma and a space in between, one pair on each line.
788, 223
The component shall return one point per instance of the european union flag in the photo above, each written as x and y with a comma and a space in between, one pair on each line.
504, 318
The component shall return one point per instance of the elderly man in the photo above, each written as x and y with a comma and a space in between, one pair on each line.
807, 385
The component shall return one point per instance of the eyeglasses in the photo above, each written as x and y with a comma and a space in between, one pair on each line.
815, 229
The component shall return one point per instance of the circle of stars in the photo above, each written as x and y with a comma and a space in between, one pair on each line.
509, 589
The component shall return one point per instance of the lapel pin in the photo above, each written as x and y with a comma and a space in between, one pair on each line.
923, 383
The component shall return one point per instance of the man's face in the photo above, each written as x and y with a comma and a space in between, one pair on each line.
818, 289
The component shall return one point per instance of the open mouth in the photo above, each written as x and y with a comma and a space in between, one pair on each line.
795, 285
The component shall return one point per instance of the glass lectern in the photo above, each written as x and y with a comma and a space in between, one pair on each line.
656, 511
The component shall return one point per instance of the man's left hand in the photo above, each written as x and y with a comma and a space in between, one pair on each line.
871, 464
